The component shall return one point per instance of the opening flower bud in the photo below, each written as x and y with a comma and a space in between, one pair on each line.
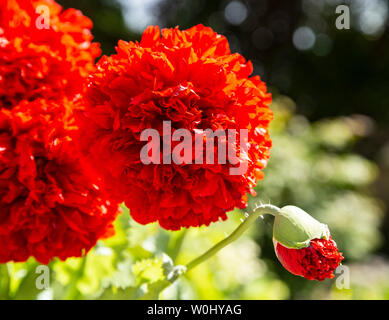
303, 245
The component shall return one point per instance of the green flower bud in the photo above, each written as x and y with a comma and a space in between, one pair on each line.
294, 228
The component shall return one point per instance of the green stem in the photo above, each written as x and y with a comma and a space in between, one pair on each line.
175, 251
5, 280
258, 211
72, 291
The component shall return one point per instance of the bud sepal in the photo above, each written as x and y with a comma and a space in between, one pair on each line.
294, 228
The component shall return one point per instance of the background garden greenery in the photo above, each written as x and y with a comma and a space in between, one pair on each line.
330, 157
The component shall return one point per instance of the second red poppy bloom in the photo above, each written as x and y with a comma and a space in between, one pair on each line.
191, 79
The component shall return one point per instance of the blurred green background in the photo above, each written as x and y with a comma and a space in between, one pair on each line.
330, 157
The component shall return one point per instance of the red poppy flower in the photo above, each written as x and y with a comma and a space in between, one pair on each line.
189, 78
50, 201
316, 262
36, 62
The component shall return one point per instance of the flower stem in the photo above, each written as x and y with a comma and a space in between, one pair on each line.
72, 291
175, 251
258, 211
5, 280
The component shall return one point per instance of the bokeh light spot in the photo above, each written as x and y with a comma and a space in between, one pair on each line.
304, 38
235, 12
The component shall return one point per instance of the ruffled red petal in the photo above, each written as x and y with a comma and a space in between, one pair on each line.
51, 204
316, 262
43, 63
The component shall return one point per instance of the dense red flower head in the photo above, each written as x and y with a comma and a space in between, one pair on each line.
50, 202
189, 78
36, 62
316, 262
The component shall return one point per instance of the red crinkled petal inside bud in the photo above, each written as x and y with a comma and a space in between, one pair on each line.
316, 262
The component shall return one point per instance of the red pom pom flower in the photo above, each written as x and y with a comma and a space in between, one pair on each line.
192, 80
304, 246
45, 52
50, 201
